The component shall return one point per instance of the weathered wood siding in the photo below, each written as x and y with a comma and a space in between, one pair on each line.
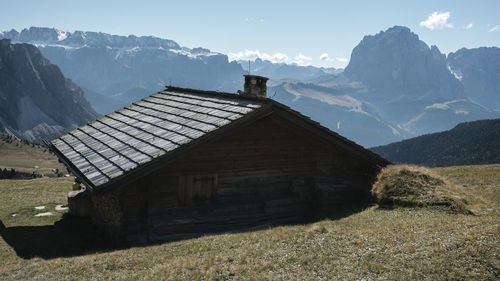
270, 172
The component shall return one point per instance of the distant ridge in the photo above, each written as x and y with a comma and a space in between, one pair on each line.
114, 70
469, 143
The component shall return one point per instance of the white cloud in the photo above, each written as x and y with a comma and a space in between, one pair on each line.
495, 28
325, 57
300, 59
469, 26
253, 19
437, 21
252, 55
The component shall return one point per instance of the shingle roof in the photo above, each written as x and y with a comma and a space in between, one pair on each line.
121, 141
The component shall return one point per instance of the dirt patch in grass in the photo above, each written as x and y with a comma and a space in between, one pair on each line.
414, 186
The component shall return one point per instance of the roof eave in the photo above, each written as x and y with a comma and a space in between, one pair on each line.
74, 170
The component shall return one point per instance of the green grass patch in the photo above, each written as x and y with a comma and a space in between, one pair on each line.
22, 196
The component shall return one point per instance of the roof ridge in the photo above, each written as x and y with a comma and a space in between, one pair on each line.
216, 93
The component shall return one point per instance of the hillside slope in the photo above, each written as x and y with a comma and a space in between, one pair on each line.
27, 158
36, 100
468, 143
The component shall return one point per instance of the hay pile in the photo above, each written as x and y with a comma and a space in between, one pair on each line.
414, 186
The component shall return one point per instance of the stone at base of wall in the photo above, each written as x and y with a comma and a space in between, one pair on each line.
79, 203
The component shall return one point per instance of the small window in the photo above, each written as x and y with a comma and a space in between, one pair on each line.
197, 189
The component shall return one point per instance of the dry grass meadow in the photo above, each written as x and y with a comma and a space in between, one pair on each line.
400, 243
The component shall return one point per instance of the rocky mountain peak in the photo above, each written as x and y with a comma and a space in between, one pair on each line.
396, 64
41, 34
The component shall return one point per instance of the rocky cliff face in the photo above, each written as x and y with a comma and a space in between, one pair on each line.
479, 71
36, 100
396, 65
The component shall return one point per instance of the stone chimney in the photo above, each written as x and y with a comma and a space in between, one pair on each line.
255, 86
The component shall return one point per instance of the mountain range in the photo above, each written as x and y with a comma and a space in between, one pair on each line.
36, 100
115, 70
394, 87
278, 71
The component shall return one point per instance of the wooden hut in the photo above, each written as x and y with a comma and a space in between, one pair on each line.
183, 162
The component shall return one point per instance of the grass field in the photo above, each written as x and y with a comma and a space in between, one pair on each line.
28, 158
374, 244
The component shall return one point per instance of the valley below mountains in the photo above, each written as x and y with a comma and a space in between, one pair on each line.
394, 87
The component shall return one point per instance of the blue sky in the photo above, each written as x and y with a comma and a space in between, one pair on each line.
320, 33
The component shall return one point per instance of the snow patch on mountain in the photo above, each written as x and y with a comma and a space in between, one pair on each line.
61, 35
444, 105
394, 130
43, 45
194, 55
456, 72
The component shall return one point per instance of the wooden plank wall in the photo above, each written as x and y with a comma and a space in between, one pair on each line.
271, 172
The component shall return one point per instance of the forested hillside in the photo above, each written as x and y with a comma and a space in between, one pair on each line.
468, 143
